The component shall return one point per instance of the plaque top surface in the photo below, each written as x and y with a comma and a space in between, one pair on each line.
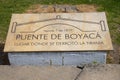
58, 32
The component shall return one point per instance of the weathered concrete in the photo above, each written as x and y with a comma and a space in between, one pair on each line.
57, 58
101, 72
89, 72
37, 73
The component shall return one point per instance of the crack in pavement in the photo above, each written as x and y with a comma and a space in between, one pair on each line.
82, 69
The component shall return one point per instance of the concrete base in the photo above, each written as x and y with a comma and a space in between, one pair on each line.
57, 58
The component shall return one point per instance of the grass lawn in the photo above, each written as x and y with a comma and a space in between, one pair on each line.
111, 7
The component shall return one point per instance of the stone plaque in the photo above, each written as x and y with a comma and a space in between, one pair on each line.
58, 32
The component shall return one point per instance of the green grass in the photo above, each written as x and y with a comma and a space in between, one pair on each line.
111, 7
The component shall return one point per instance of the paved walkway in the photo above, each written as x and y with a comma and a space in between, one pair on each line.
89, 72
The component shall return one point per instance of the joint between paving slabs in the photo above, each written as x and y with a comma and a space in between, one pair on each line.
81, 70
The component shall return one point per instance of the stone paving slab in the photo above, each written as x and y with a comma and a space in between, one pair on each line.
101, 72
89, 72
37, 73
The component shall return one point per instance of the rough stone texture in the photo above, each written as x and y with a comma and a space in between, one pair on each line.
57, 58
101, 72
89, 72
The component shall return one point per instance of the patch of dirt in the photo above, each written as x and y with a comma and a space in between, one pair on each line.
40, 8
86, 8
114, 56
3, 56
61, 8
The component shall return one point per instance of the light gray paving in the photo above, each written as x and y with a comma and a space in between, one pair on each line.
89, 72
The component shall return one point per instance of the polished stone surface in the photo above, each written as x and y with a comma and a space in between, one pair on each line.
58, 32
